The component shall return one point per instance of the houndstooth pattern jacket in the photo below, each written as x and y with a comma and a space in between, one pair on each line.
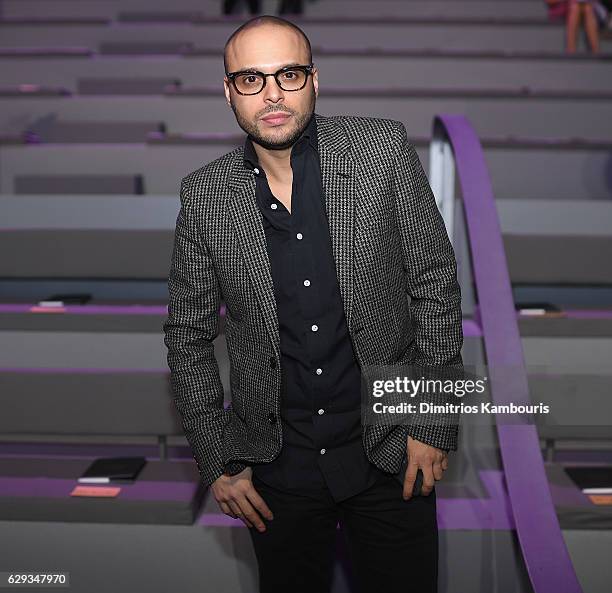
397, 276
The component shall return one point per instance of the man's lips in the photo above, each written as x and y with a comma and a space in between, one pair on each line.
276, 118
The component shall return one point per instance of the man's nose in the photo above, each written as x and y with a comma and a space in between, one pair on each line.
272, 91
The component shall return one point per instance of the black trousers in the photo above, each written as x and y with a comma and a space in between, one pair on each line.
392, 542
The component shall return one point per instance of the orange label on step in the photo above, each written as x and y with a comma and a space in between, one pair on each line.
601, 498
104, 491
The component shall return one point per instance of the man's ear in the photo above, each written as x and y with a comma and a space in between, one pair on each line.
226, 91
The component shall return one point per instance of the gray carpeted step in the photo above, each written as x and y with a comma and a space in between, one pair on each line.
80, 184
145, 47
125, 86
559, 259
93, 132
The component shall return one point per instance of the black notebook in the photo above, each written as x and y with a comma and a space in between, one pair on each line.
73, 298
592, 479
533, 308
111, 469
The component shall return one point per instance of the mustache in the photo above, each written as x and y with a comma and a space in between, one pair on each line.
276, 111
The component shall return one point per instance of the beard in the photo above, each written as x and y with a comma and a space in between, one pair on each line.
283, 140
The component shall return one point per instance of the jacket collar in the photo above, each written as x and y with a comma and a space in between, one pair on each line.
331, 137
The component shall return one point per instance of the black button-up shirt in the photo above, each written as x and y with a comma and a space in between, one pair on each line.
321, 380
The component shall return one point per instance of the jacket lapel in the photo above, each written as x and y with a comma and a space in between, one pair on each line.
339, 188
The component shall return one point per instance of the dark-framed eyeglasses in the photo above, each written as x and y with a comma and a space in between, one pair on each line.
289, 78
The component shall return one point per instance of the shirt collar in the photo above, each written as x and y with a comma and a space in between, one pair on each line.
309, 136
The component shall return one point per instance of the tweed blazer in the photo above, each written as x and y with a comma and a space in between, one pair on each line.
397, 276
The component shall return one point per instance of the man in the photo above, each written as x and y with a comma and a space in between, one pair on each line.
322, 237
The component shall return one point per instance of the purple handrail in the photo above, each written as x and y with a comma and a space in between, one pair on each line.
545, 554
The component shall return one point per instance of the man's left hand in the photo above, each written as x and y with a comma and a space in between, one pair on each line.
431, 460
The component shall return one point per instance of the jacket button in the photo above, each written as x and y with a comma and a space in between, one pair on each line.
272, 417
272, 362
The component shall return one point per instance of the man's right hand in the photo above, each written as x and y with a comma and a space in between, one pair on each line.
238, 498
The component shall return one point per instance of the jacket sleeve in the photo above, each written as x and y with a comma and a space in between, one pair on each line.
190, 328
431, 281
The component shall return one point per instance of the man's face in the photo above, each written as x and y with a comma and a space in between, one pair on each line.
267, 49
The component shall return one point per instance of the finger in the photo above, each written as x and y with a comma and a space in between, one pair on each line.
225, 508
409, 478
251, 514
428, 479
445, 463
239, 513
259, 503
438, 472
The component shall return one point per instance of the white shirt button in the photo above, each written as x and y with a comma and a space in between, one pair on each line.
322, 451
299, 236
274, 206
314, 328
256, 171
306, 282
321, 412
319, 371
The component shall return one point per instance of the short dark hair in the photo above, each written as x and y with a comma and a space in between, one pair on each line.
266, 19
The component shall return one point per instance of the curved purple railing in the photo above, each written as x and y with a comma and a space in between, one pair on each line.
544, 551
